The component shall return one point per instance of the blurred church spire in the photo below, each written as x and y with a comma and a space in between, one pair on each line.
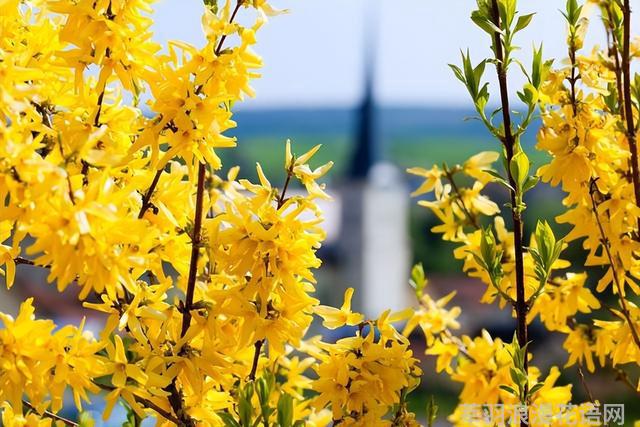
366, 150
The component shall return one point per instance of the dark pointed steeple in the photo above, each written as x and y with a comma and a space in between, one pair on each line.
365, 153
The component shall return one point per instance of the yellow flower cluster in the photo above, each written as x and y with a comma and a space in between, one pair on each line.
592, 158
463, 211
588, 128
484, 366
205, 282
81, 150
40, 363
363, 378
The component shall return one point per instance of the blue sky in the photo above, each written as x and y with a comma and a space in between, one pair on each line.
314, 55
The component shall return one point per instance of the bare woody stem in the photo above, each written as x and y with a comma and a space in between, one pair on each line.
256, 357
628, 106
146, 200
196, 243
509, 144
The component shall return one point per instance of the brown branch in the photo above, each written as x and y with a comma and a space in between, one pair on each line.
96, 121
628, 106
282, 199
605, 244
23, 261
196, 243
256, 357
509, 143
146, 200
51, 415
231, 19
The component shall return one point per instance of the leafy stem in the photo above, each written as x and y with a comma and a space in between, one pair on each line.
500, 20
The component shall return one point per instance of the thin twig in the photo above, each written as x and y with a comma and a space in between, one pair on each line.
96, 122
23, 261
583, 381
231, 19
256, 358
196, 243
628, 104
282, 199
146, 200
51, 415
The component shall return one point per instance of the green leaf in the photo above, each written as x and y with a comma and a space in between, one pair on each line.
484, 23
418, 280
263, 391
509, 390
212, 4
498, 178
285, 410
531, 182
573, 12
535, 388
228, 419
515, 377
458, 73
245, 408
488, 246
536, 67
519, 168
478, 71
85, 420
469, 75
523, 22
432, 411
